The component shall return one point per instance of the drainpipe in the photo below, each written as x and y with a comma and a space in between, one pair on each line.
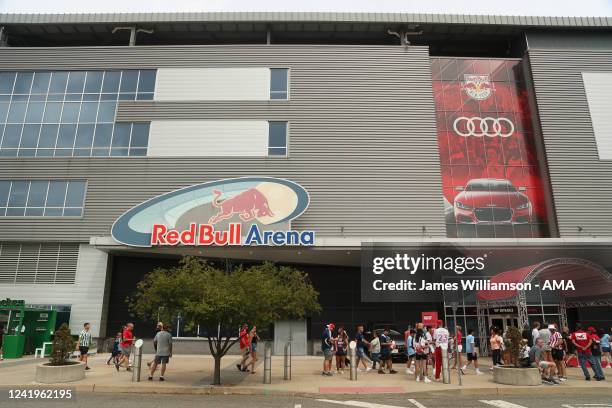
133, 32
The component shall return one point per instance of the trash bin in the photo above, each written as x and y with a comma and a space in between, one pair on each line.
12, 345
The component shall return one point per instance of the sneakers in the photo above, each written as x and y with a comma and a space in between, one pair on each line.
464, 367
239, 367
327, 373
392, 372
150, 378
368, 369
87, 368
426, 380
162, 379
409, 371
418, 379
562, 379
381, 372
547, 382
600, 378
478, 372
117, 366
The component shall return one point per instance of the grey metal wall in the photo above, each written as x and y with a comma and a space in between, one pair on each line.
362, 138
581, 183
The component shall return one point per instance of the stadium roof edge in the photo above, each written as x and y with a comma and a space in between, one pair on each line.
305, 17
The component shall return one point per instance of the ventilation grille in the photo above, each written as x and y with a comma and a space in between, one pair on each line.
38, 263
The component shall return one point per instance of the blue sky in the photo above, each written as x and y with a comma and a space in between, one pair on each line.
522, 7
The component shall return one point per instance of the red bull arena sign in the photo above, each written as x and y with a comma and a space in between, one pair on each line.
241, 211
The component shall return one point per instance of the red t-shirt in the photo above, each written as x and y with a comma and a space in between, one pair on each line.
459, 337
244, 339
128, 338
582, 339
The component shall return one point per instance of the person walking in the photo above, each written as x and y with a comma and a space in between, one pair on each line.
470, 349
440, 337
557, 349
570, 348
243, 336
361, 344
158, 328
116, 353
1, 340
410, 353
327, 346
458, 338
127, 340
385, 351
605, 349
375, 350
422, 350
341, 346
253, 341
163, 352
496, 342
84, 343
583, 342
596, 347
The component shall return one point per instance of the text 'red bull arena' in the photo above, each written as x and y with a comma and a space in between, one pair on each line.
412, 165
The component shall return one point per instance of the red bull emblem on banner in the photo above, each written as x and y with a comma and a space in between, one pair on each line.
240, 211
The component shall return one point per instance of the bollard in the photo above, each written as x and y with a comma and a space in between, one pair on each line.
445, 365
287, 364
353, 358
267, 378
137, 360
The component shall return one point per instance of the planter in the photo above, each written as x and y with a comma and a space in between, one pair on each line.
49, 374
516, 376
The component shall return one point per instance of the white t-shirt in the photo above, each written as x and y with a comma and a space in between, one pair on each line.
375, 344
535, 333
441, 336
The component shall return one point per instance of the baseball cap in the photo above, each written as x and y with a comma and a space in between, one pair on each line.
591, 328
551, 327
440, 323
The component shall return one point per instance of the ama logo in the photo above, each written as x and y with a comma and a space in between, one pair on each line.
239, 211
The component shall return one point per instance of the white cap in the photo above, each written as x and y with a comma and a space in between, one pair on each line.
551, 327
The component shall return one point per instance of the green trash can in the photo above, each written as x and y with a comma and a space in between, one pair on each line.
12, 346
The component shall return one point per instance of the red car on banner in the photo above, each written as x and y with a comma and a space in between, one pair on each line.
491, 178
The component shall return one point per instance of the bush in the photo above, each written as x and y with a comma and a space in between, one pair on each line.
63, 345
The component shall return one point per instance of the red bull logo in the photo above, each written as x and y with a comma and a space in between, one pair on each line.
240, 211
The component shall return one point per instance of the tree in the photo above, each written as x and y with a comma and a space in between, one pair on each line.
514, 336
63, 345
221, 301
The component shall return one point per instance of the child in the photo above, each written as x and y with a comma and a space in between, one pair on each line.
116, 350
524, 355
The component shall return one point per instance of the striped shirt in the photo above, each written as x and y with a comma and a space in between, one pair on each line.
85, 338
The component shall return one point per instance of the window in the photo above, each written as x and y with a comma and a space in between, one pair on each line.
279, 79
38, 263
277, 139
42, 198
65, 114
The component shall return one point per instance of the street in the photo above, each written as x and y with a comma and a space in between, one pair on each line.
94, 400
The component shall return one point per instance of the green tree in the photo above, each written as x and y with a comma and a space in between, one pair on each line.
63, 345
514, 336
220, 301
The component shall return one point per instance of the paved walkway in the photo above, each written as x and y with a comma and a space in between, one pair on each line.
193, 374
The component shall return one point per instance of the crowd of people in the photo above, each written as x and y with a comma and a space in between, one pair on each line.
545, 347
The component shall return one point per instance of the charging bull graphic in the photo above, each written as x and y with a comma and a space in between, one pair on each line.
249, 205
235, 211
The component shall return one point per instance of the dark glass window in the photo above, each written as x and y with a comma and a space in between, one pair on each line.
279, 88
277, 139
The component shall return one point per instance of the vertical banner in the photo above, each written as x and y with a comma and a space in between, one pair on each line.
491, 181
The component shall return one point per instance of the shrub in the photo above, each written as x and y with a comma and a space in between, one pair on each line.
514, 335
63, 345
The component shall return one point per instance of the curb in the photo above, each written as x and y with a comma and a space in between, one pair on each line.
225, 390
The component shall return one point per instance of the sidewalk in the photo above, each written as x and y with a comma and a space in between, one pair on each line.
193, 373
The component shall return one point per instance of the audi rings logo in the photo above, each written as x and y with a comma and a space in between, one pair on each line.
479, 127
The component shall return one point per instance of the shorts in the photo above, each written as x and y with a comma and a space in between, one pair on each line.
253, 347
546, 364
410, 353
420, 356
460, 348
341, 353
605, 349
385, 355
328, 354
83, 350
360, 352
472, 356
162, 359
557, 354
126, 350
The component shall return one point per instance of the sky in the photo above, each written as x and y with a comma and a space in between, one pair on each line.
506, 7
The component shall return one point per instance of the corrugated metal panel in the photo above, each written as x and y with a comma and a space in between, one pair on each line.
83, 291
208, 138
581, 183
264, 17
362, 138
216, 84
598, 87
40, 263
